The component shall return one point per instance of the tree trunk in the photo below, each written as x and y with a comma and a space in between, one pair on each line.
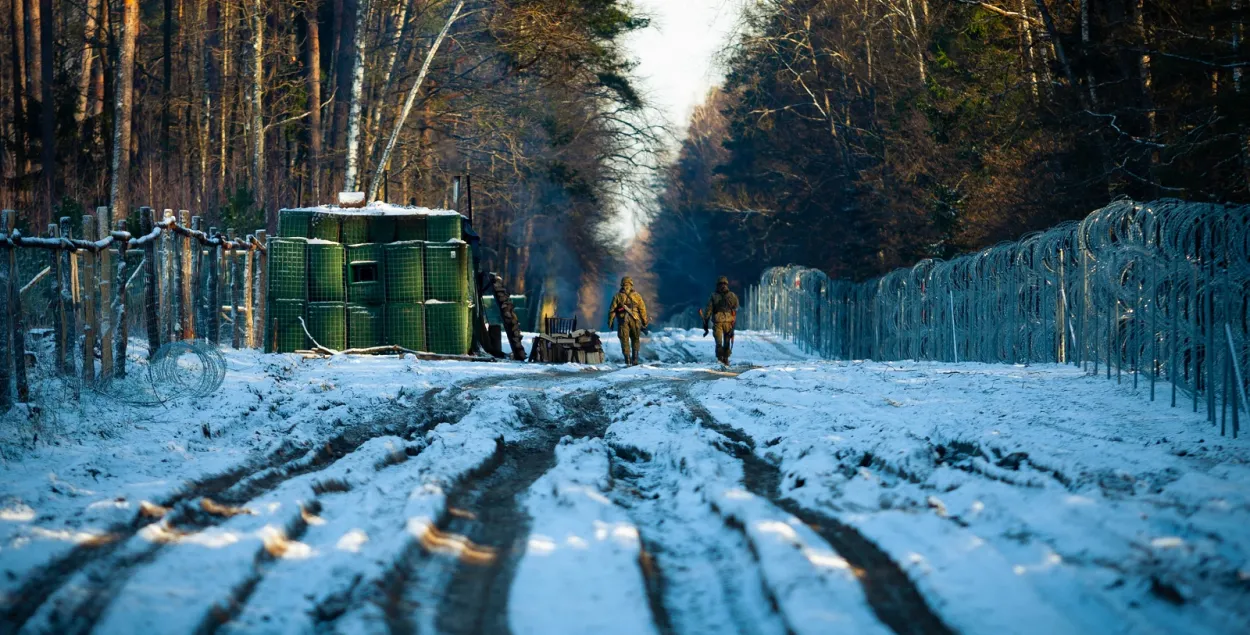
20, 104
47, 114
412, 97
1146, 80
358, 83
344, 60
34, 45
211, 92
258, 104
91, 25
398, 41
167, 72
313, 68
119, 192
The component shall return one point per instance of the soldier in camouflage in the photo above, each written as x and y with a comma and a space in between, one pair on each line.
630, 313
722, 312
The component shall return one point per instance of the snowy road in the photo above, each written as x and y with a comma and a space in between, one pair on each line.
783, 495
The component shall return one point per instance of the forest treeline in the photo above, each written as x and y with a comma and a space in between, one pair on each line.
235, 108
857, 136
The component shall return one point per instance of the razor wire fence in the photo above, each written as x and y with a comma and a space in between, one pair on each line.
91, 290
1142, 292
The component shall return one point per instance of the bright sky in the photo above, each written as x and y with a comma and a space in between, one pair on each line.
676, 55
677, 59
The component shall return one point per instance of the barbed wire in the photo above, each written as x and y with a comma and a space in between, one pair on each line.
182, 369
1157, 290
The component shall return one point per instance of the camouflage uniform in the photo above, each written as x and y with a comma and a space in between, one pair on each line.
722, 311
630, 312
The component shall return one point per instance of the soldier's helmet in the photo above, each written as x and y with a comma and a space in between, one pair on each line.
627, 282
722, 281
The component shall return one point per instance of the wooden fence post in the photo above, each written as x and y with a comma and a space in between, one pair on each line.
54, 302
168, 296
195, 273
6, 361
182, 270
213, 292
262, 289
104, 274
151, 301
90, 282
8, 220
122, 330
249, 272
69, 297
232, 269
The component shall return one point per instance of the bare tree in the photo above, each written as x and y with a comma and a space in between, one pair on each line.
123, 104
358, 83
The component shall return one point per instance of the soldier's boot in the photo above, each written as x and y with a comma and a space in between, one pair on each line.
634, 360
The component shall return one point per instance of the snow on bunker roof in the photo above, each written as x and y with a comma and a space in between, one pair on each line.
376, 209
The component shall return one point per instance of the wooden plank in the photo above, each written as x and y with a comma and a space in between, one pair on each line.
151, 282
8, 220
104, 274
90, 282
168, 294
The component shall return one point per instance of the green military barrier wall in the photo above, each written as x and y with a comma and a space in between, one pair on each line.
294, 223
405, 325
283, 333
410, 228
442, 228
365, 274
326, 227
447, 327
381, 229
327, 323
288, 269
446, 272
355, 229
365, 326
405, 272
325, 272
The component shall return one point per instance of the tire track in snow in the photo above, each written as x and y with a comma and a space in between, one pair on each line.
891, 594
98, 570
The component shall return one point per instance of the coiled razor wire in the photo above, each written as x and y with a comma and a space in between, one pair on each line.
1143, 291
178, 370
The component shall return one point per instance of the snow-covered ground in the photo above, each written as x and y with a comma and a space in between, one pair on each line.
783, 494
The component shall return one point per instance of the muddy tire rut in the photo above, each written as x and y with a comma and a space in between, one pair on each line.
105, 566
891, 594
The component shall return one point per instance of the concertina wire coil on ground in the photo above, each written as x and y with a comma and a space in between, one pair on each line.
1143, 292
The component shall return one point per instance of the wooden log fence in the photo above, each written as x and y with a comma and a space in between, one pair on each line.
88, 282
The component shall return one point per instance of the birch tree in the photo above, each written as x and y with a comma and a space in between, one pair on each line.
123, 105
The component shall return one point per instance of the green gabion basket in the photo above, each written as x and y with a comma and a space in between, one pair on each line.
288, 269
325, 272
404, 272
294, 223
381, 229
355, 229
283, 333
446, 272
442, 228
364, 326
365, 274
410, 228
327, 322
405, 325
447, 327
326, 227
